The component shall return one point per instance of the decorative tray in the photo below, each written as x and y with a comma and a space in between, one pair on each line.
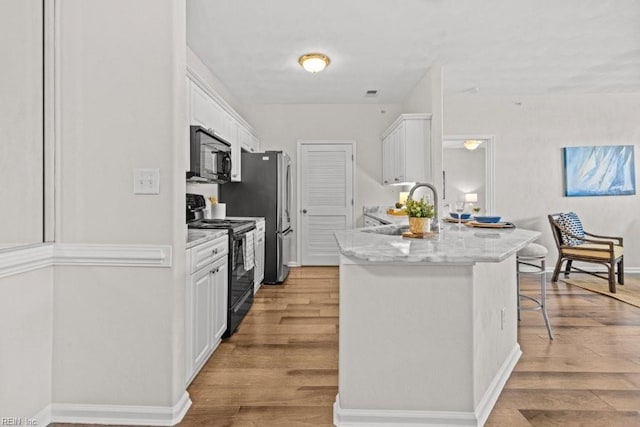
396, 212
490, 224
455, 220
410, 235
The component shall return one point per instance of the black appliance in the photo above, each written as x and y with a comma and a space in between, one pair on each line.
265, 191
240, 280
210, 157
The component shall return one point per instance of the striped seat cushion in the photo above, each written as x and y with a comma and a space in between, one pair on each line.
571, 222
594, 250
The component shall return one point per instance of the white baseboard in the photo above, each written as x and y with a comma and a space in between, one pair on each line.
483, 409
392, 417
115, 414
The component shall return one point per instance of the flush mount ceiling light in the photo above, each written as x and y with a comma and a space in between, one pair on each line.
314, 62
471, 144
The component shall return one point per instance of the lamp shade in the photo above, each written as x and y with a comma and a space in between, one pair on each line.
471, 197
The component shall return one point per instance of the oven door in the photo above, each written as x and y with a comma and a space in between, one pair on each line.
240, 279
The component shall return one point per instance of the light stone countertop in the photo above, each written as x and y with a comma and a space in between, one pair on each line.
196, 237
453, 244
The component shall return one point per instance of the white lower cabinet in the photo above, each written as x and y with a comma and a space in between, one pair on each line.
206, 302
259, 248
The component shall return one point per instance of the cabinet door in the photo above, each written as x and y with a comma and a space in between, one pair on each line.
219, 291
399, 150
236, 166
387, 166
201, 108
201, 323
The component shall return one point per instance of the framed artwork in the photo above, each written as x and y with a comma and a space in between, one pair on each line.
605, 170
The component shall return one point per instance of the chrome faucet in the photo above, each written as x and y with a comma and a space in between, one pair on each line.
435, 226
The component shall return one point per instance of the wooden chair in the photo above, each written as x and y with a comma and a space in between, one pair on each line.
593, 248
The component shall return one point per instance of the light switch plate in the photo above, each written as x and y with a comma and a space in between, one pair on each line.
146, 181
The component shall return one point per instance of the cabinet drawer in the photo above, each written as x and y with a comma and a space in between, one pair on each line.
208, 252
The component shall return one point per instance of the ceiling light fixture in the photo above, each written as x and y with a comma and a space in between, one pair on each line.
471, 144
314, 62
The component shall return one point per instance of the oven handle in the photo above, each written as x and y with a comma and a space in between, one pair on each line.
239, 236
239, 305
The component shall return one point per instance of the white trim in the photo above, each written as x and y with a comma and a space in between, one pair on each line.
382, 417
25, 259
112, 255
299, 144
405, 116
202, 84
120, 414
51, 39
489, 164
484, 407
42, 418
33, 257
379, 417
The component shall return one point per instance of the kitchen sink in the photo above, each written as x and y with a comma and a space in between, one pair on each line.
391, 230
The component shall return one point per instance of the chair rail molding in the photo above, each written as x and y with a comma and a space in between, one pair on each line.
28, 258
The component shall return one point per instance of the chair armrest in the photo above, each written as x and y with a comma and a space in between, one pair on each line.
618, 239
585, 240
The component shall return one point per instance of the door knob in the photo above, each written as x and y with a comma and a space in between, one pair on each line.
304, 211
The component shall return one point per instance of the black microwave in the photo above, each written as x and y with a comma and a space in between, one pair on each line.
210, 160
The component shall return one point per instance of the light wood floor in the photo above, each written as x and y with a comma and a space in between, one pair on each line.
280, 369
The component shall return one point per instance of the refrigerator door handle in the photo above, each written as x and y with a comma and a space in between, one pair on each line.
288, 185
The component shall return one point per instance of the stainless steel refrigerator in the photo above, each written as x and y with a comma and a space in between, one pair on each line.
265, 191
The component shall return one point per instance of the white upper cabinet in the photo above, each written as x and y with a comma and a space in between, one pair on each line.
202, 110
406, 150
212, 113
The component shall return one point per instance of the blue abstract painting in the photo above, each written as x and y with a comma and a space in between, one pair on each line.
606, 170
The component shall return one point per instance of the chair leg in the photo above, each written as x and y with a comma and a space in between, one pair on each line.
621, 271
612, 278
543, 298
567, 268
556, 271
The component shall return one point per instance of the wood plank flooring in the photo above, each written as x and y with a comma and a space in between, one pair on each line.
280, 369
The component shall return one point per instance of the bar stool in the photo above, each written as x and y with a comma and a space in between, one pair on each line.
530, 260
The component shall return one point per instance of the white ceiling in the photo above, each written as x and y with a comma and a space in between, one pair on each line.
492, 47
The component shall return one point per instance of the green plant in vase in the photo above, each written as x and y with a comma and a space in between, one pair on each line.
420, 214
476, 210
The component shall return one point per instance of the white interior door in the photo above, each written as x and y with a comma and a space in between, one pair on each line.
325, 191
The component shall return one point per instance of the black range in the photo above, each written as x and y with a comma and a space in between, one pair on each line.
240, 280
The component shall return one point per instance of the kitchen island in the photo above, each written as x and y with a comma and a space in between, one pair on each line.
428, 327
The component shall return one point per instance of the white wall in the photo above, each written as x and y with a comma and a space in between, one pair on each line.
21, 122
119, 332
426, 97
465, 173
280, 126
26, 314
529, 137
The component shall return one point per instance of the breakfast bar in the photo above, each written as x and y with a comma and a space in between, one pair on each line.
428, 327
